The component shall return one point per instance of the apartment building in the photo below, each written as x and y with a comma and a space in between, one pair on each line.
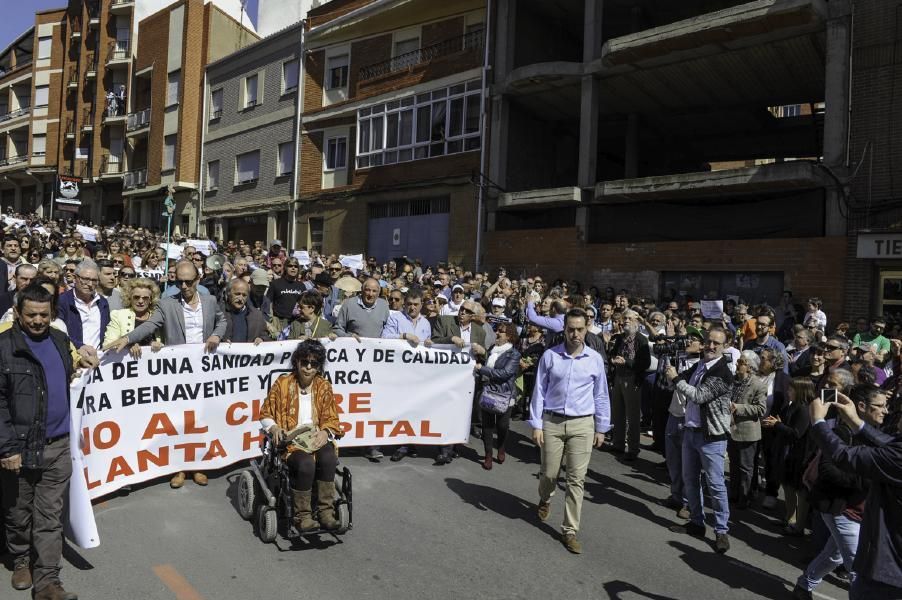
30, 106
391, 128
250, 139
163, 128
606, 119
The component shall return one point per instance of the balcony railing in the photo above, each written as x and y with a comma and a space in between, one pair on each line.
93, 13
15, 113
469, 42
73, 78
118, 51
70, 129
75, 29
87, 120
91, 69
138, 120
108, 167
13, 160
134, 179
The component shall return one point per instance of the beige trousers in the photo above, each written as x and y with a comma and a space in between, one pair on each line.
569, 439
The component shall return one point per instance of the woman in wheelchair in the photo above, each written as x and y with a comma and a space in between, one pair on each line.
298, 399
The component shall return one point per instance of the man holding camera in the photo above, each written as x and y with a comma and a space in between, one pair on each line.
877, 568
708, 391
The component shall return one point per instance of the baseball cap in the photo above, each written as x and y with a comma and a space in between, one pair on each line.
694, 332
276, 243
457, 286
260, 277
498, 302
322, 279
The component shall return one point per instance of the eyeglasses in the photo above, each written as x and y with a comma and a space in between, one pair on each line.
183, 282
714, 342
292, 266
831, 347
275, 264
118, 261
466, 311
197, 259
127, 274
310, 364
88, 280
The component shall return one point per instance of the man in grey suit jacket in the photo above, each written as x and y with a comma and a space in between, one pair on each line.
460, 330
185, 318
188, 318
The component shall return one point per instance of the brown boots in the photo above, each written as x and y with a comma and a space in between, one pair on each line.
303, 513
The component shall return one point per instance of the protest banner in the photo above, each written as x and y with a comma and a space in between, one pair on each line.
205, 247
712, 309
303, 257
88, 233
155, 274
181, 409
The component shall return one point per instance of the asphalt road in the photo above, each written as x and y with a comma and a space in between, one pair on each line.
422, 531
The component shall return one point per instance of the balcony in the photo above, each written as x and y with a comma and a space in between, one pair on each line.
70, 129
72, 83
138, 123
15, 114
87, 122
110, 169
134, 179
119, 7
75, 30
118, 54
93, 14
114, 111
91, 69
13, 160
470, 42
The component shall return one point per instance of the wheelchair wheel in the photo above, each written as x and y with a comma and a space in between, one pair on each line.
246, 495
344, 517
266, 524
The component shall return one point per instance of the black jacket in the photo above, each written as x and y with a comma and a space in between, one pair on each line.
835, 489
23, 399
256, 325
640, 362
880, 462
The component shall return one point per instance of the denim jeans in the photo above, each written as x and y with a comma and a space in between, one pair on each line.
868, 589
700, 455
839, 550
673, 453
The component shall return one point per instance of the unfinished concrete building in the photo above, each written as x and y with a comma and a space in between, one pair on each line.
693, 147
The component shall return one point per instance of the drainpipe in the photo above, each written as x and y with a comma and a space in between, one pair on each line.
201, 187
295, 177
483, 155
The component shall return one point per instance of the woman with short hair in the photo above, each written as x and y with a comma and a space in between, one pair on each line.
499, 391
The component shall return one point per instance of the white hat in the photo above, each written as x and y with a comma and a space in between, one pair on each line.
499, 302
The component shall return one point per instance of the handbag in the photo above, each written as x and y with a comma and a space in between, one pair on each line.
302, 439
494, 402
809, 477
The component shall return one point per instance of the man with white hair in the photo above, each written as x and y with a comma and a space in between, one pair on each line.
85, 312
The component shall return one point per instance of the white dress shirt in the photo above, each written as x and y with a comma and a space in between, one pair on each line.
194, 322
465, 333
90, 320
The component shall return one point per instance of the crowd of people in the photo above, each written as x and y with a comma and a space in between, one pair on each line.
751, 403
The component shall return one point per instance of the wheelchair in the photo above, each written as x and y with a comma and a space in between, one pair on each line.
264, 494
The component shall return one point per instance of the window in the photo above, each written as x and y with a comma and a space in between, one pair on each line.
213, 175
336, 153
215, 104
316, 233
45, 45
41, 95
250, 91
172, 88
169, 152
404, 52
444, 121
337, 72
289, 76
39, 145
247, 167
286, 159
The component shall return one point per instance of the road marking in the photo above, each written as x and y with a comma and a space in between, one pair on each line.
758, 571
175, 582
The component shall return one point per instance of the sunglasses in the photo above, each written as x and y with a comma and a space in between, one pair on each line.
831, 348
310, 364
183, 282
292, 265
127, 274
466, 311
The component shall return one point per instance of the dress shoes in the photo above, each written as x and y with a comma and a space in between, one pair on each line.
54, 591
502, 456
199, 478
177, 481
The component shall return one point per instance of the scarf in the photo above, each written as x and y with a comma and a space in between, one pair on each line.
495, 352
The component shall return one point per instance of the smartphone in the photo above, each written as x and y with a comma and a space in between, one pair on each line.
828, 395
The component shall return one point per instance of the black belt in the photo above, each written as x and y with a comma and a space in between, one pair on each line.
49, 441
552, 413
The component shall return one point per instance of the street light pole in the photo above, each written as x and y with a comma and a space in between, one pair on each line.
169, 205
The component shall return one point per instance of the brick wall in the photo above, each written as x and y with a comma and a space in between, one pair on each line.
314, 69
153, 45
811, 266
192, 100
311, 160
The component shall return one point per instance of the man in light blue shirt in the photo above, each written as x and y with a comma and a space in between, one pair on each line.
411, 326
570, 413
553, 323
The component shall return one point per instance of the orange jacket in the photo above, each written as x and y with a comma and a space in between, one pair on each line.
281, 405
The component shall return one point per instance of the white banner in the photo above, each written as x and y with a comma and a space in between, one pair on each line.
205, 247
88, 233
181, 409
156, 274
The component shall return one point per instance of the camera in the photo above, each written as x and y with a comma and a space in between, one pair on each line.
828, 395
669, 345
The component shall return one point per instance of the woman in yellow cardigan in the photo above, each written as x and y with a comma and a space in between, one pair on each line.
139, 300
304, 397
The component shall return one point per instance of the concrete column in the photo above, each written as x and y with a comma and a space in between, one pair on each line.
498, 142
505, 32
592, 21
631, 152
588, 133
17, 198
220, 228
836, 116
271, 226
